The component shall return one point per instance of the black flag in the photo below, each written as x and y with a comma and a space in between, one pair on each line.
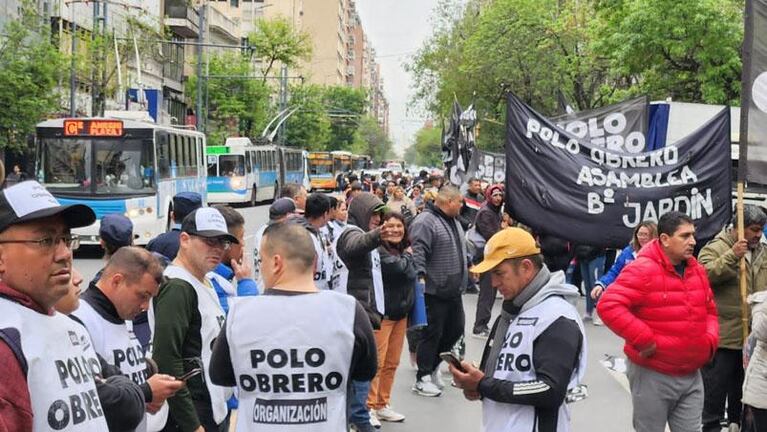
753, 123
569, 187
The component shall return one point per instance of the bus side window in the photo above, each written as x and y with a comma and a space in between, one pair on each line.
173, 156
193, 156
163, 155
248, 163
184, 151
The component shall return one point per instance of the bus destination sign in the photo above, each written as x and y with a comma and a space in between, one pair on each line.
104, 128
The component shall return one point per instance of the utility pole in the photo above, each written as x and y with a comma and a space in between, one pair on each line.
201, 39
72, 77
283, 100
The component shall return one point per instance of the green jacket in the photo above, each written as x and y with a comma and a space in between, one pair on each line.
722, 267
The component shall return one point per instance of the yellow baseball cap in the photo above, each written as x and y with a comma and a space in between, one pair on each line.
506, 244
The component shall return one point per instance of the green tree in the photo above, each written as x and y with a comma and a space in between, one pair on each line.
592, 52
277, 41
370, 139
309, 127
345, 107
238, 102
688, 50
427, 149
31, 66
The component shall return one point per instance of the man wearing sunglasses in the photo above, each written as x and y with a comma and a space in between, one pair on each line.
38, 388
187, 318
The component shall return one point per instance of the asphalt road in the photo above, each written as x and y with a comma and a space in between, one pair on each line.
607, 409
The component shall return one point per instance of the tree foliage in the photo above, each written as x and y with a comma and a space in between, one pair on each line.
30, 66
237, 101
370, 139
345, 106
588, 53
328, 117
309, 127
427, 148
277, 41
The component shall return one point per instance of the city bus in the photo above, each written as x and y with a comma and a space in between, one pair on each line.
240, 172
232, 177
361, 163
342, 162
321, 172
113, 165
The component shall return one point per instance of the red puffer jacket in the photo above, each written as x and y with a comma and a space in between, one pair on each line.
649, 302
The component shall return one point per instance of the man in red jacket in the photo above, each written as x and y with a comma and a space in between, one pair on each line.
662, 305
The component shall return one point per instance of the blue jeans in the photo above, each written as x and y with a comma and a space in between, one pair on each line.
357, 399
591, 271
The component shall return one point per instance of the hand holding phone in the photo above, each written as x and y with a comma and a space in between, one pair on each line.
189, 374
452, 360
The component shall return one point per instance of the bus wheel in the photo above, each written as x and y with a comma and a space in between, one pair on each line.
169, 222
253, 197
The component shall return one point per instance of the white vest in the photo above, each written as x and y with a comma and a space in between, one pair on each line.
340, 276
212, 320
257, 256
116, 343
292, 368
515, 363
61, 366
323, 270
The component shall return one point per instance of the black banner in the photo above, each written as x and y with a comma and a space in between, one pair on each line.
566, 186
488, 167
620, 128
754, 114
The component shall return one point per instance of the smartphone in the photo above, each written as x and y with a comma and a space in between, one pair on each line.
189, 374
451, 359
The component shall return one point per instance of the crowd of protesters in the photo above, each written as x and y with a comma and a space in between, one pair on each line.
309, 331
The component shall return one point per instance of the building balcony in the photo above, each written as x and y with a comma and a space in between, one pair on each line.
223, 25
182, 19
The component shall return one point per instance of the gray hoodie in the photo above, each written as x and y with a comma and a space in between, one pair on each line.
354, 247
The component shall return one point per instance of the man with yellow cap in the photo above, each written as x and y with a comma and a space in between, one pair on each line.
536, 351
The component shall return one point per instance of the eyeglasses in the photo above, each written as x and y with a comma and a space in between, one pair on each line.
216, 242
71, 241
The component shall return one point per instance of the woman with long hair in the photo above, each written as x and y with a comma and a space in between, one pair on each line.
399, 277
643, 234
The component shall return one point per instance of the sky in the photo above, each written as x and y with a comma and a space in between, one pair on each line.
397, 29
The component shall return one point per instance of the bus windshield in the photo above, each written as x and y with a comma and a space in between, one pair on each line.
231, 165
320, 167
87, 166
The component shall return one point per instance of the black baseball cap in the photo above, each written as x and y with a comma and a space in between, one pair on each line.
28, 201
207, 222
185, 203
116, 229
281, 207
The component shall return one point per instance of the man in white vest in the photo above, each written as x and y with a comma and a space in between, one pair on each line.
536, 351
293, 367
187, 318
280, 210
49, 368
127, 284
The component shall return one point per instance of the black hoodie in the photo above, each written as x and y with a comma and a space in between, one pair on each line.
354, 247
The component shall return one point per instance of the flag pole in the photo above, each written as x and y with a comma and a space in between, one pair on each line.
748, 45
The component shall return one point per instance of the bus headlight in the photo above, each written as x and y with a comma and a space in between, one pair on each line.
237, 183
138, 212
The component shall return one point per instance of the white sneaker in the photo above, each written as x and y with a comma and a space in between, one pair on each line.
424, 387
596, 320
374, 421
389, 415
436, 378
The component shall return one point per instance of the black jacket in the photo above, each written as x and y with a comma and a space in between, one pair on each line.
399, 276
354, 247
